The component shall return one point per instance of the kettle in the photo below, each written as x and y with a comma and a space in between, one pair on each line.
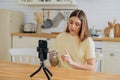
29, 28
93, 31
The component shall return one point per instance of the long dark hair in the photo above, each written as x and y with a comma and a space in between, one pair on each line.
84, 30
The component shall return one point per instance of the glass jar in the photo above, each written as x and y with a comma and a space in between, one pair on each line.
53, 58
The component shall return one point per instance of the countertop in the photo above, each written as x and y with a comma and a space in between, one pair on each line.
19, 71
45, 35
53, 35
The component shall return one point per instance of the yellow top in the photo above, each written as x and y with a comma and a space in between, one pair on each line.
79, 50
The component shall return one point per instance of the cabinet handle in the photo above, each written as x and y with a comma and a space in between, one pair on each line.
20, 36
112, 54
48, 38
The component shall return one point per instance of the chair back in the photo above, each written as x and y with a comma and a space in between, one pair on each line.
98, 60
26, 55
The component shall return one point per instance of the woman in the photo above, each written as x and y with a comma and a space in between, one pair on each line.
76, 49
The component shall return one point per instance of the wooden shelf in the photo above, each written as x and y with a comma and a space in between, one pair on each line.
51, 3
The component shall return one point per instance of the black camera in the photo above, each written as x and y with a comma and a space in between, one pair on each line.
42, 49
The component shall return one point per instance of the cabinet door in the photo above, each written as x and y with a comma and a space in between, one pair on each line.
30, 42
111, 63
35, 41
111, 57
21, 42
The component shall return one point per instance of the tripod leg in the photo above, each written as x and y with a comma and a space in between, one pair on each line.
36, 71
48, 71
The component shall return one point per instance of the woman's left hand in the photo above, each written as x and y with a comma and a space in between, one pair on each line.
66, 57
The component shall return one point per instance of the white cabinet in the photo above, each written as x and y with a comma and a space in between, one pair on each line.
47, 2
21, 42
111, 57
30, 42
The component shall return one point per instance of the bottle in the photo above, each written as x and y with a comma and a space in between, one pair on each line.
111, 33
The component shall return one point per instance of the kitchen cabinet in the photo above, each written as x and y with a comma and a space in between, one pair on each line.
30, 42
111, 57
47, 2
20, 42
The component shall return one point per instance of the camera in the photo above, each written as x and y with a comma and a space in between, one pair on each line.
42, 49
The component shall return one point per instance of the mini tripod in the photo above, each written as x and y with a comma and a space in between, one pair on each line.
46, 71
43, 50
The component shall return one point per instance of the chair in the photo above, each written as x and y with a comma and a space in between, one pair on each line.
98, 61
26, 55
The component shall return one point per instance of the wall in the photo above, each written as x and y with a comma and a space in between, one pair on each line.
98, 12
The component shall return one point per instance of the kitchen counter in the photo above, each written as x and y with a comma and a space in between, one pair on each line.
53, 35
107, 39
45, 35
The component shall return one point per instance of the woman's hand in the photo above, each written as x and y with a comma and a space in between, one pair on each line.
89, 66
66, 57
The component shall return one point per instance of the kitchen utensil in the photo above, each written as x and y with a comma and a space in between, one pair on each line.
106, 31
66, 14
57, 19
48, 22
110, 24
29, 28
111, 33
93, 32
114, 22
117, 30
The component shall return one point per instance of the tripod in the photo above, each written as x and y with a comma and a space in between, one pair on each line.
46, 71
43, 50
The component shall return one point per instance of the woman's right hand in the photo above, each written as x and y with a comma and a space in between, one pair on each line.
66, 57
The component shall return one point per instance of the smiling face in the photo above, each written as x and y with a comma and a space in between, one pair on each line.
74, 25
